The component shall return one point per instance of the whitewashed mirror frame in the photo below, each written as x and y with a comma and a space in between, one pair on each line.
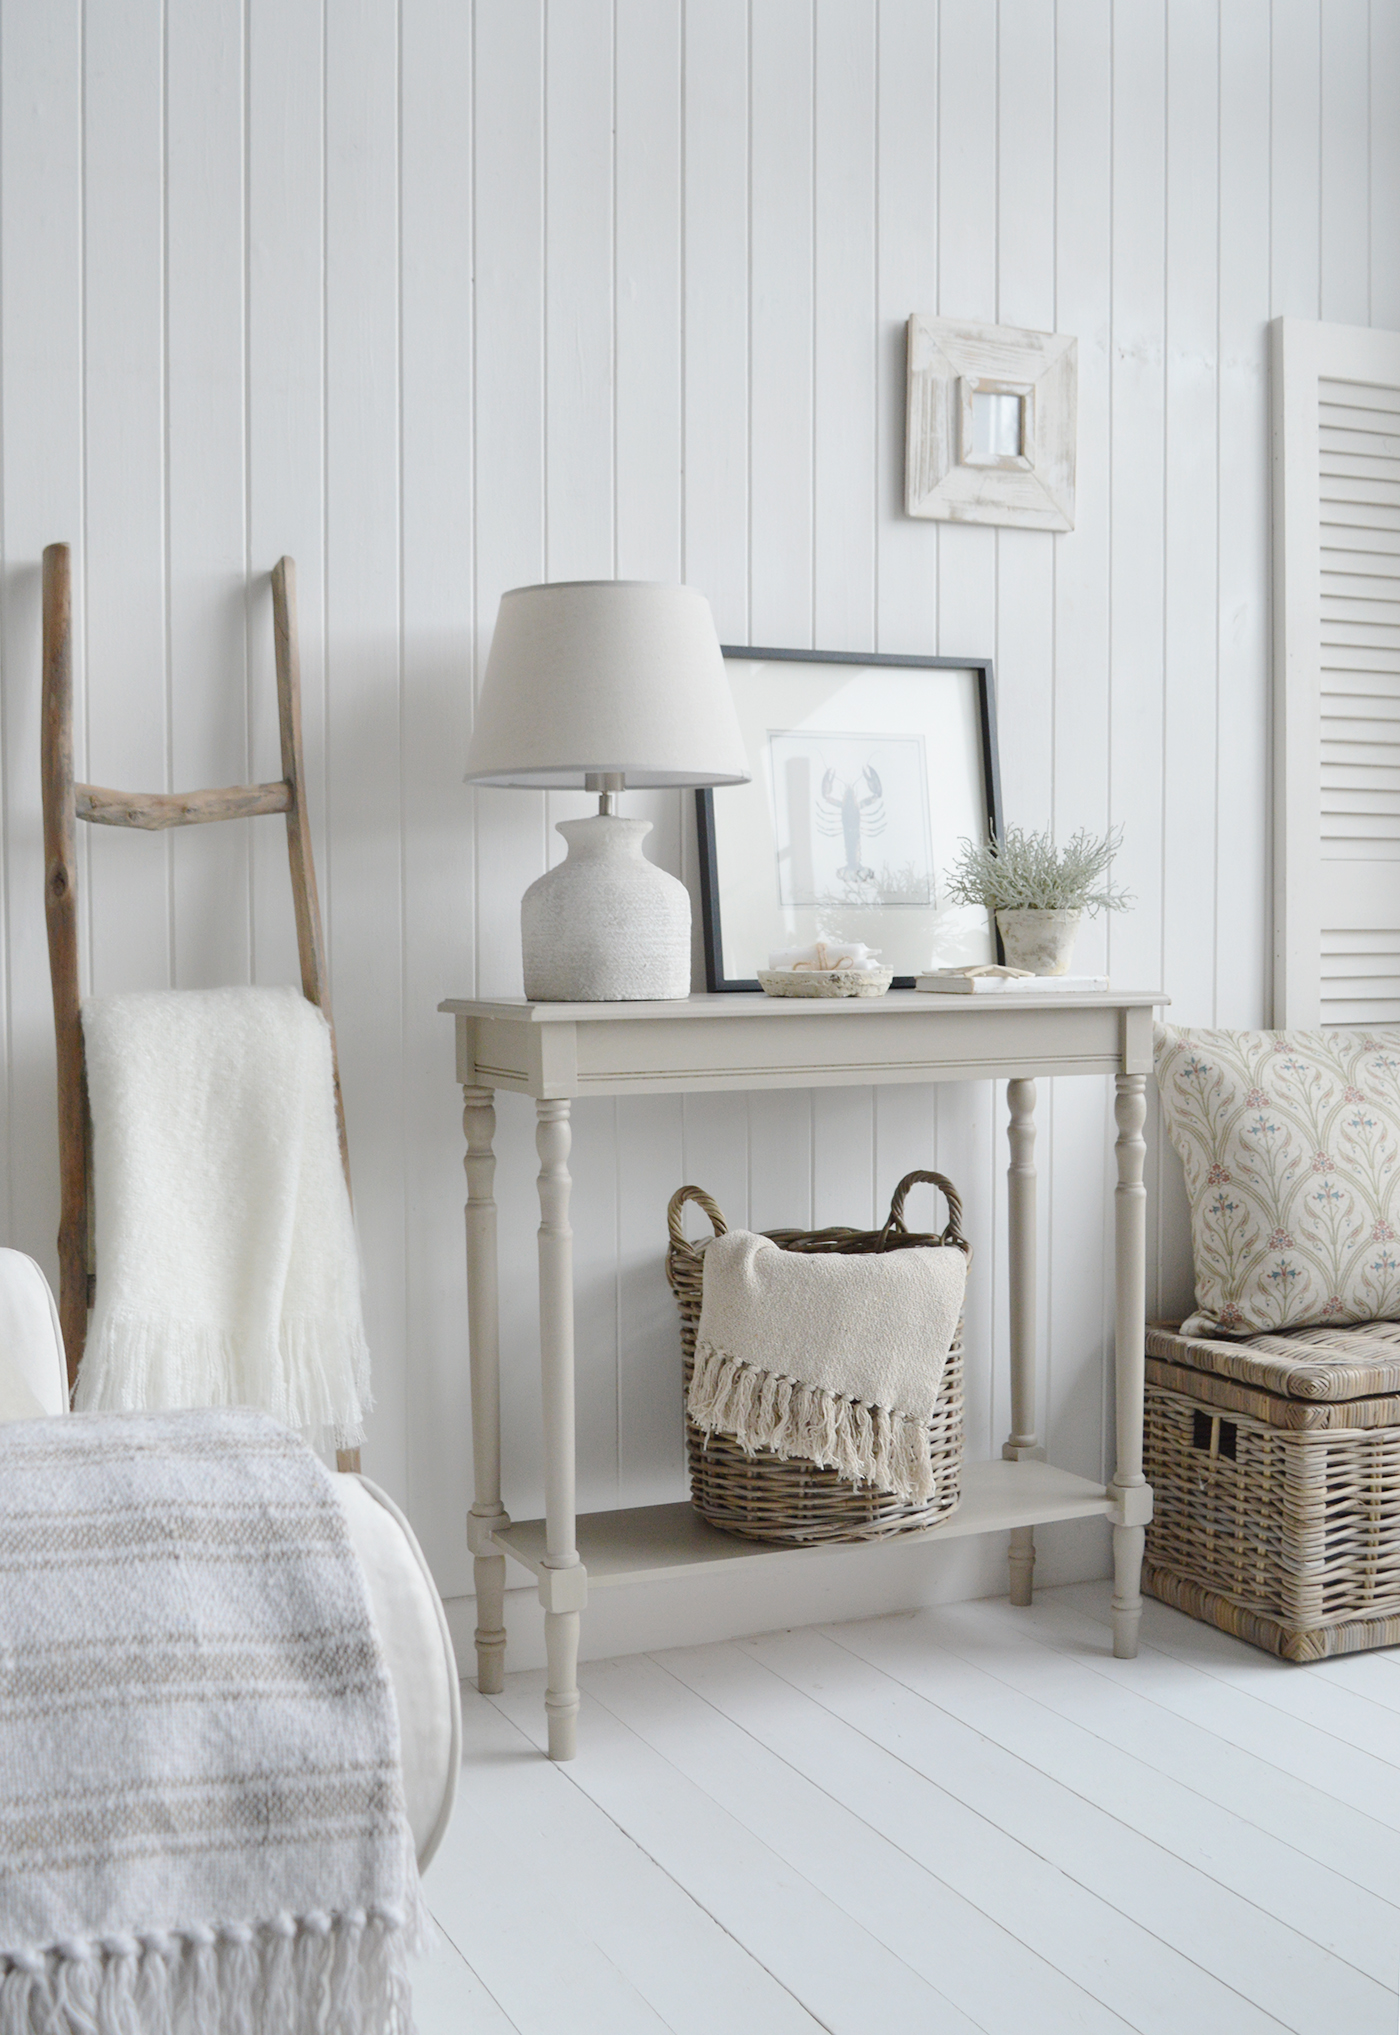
948, 475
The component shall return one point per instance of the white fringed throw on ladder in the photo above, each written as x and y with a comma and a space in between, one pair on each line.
835, 1359
227, 1272
202, 1826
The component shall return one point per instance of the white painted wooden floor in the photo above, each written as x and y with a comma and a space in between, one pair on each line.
968, 1818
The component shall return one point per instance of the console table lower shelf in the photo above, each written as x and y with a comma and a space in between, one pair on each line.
704, 1045
648, 1543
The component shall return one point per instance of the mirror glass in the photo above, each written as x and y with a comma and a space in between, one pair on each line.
996, 425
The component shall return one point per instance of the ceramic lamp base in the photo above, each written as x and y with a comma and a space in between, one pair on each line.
606, 925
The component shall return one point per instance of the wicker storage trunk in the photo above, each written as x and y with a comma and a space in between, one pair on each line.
1275, 1467
773, 1498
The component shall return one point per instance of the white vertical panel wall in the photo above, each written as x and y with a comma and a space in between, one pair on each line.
441, 298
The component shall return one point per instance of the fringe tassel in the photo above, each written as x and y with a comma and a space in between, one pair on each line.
314, 1377
765, 1410
318, 1974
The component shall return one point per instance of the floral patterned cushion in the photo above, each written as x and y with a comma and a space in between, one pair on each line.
1291, 1144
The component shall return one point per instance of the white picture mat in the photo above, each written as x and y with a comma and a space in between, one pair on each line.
831, 710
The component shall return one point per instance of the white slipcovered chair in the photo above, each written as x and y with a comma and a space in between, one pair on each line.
405, 1602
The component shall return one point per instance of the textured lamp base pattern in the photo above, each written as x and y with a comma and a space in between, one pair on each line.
605, 926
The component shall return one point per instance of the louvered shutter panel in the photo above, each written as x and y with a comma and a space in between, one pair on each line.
1336, 412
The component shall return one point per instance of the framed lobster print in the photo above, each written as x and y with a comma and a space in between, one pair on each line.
866, 772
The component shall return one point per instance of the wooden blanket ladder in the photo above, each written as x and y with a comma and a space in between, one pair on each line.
65, 803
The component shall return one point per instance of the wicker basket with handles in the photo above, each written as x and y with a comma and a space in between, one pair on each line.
773, 1498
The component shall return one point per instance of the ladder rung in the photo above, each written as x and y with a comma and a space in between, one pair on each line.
156, 809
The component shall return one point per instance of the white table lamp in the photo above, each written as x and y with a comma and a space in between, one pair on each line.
595, 685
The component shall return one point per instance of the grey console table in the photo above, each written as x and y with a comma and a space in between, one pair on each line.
556, 1051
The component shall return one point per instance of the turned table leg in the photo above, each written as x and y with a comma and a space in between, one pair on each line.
483, 1327
1022, 1443
564, 1583
1129, 1486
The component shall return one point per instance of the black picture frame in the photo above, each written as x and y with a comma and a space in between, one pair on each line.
711, 899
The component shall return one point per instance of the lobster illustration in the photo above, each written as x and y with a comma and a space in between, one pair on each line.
854, 808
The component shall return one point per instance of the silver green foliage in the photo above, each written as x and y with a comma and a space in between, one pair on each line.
1027, 871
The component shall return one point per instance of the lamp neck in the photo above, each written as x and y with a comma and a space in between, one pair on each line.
608, 784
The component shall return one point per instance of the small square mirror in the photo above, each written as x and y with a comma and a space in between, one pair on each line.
996, 425
989, 432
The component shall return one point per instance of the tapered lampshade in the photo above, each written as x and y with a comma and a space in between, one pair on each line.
592, 677
597, 685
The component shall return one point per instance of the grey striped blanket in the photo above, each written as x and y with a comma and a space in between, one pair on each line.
202, 1825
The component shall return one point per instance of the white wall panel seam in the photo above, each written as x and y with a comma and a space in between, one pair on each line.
546, 573
1110, 581
405, 1018
167, 645
1048, 1318
749, 309
682, 228
616, 269
1161, 899
474, 617
250, 773
7, 758
1219, 243
7, 872
941, 312
542, 803
814, 641
876, 301
873, 393
327, 873
82, 631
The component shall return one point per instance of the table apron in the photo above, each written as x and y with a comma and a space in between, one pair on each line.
671, 1055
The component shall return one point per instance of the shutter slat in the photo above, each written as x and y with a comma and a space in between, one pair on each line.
1351, 610
1354, 661
1376, 572
1362, 940
1383, 518
1340, 1011
1362, 808
1357, 780
1353, 690
1363, 635
1379, 575
1358, 452
1354, 734
1338, 423
1347, 395
1380, 559
1355, 490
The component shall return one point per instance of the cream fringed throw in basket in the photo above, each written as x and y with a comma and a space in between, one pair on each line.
835, 1359
227, 1272
202, 1826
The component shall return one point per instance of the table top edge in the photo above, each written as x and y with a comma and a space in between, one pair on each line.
746, 1003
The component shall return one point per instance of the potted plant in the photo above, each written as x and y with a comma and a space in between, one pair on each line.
1039, 892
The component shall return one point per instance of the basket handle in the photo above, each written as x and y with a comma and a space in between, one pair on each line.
952, 1233
674, 1209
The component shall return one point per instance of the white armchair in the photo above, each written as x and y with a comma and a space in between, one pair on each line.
33, 1377
403, 1597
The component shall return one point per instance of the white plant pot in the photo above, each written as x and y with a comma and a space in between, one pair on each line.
606, 925
1042, 941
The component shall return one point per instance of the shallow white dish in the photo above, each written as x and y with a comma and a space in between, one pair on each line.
825, 981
